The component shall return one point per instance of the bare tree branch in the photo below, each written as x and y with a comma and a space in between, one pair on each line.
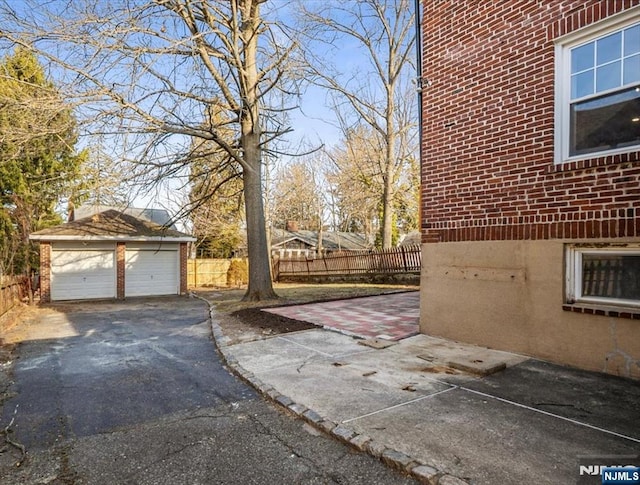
383, 31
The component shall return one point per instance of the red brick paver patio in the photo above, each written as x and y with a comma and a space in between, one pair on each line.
392, 316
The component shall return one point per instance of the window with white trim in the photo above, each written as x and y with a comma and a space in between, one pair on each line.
598, 89
604, 275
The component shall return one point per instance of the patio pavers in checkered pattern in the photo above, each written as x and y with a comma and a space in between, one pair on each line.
393, 316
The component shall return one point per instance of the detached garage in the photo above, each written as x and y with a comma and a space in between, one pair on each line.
111, 255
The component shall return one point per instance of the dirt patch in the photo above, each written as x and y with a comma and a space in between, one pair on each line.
253, 323
12, 318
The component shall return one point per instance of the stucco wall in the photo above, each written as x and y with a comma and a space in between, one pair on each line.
509, 295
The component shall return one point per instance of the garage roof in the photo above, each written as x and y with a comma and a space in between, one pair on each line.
110, 225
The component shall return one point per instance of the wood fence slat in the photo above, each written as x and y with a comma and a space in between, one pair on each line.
395, 260
13, 289
207, 272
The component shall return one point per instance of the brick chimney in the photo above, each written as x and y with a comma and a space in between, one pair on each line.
292, 226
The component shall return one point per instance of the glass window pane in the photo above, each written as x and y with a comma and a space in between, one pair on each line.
582, 85
632, 40
632, 69
608, 76
611, 276
609, 48
582, 58
605, 122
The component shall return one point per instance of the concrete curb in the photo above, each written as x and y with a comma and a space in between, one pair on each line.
395, 459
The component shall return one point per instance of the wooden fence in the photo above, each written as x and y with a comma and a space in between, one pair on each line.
207, 272
404, 259
13, 289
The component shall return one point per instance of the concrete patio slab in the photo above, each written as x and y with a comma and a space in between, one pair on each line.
354, 390
531, 423
272, 353
329, 343
294, 349
487, 441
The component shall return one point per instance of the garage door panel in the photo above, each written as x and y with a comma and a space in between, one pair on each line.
82, 274
82, 261
151, 273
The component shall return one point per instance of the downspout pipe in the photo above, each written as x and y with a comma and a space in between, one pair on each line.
417, 18
419, 83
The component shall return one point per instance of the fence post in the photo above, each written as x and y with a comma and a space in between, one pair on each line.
404, 258
194, 265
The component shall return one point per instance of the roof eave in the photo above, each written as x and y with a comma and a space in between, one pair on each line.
59, 237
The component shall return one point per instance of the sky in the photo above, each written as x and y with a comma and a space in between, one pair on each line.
313, 123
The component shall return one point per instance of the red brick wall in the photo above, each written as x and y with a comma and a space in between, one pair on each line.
121, 248
183, 268
488, 135
45, 272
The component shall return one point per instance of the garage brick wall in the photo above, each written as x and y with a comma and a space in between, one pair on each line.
120, 260
183, 268
45, 272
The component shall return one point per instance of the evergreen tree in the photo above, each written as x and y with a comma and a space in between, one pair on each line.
38, 162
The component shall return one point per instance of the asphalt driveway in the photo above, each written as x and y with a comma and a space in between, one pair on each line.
134, 392
125, 364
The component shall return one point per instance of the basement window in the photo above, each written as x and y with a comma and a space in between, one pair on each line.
604, 275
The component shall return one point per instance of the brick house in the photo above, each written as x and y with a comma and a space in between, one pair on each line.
531, 178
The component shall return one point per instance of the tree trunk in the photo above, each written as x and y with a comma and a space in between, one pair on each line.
387, 213
319, 249
260, 284
388, 176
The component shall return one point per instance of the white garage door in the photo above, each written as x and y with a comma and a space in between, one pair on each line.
78, 274
152, 271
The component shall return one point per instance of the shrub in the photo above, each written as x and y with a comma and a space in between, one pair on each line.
238, 273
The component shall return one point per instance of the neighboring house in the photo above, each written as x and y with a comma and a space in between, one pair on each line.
111, 255
301, 243
531, 178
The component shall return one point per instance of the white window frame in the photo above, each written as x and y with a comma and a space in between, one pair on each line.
573, 273
563, 46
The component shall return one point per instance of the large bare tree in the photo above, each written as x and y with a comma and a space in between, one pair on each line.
147, 72
377, 90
